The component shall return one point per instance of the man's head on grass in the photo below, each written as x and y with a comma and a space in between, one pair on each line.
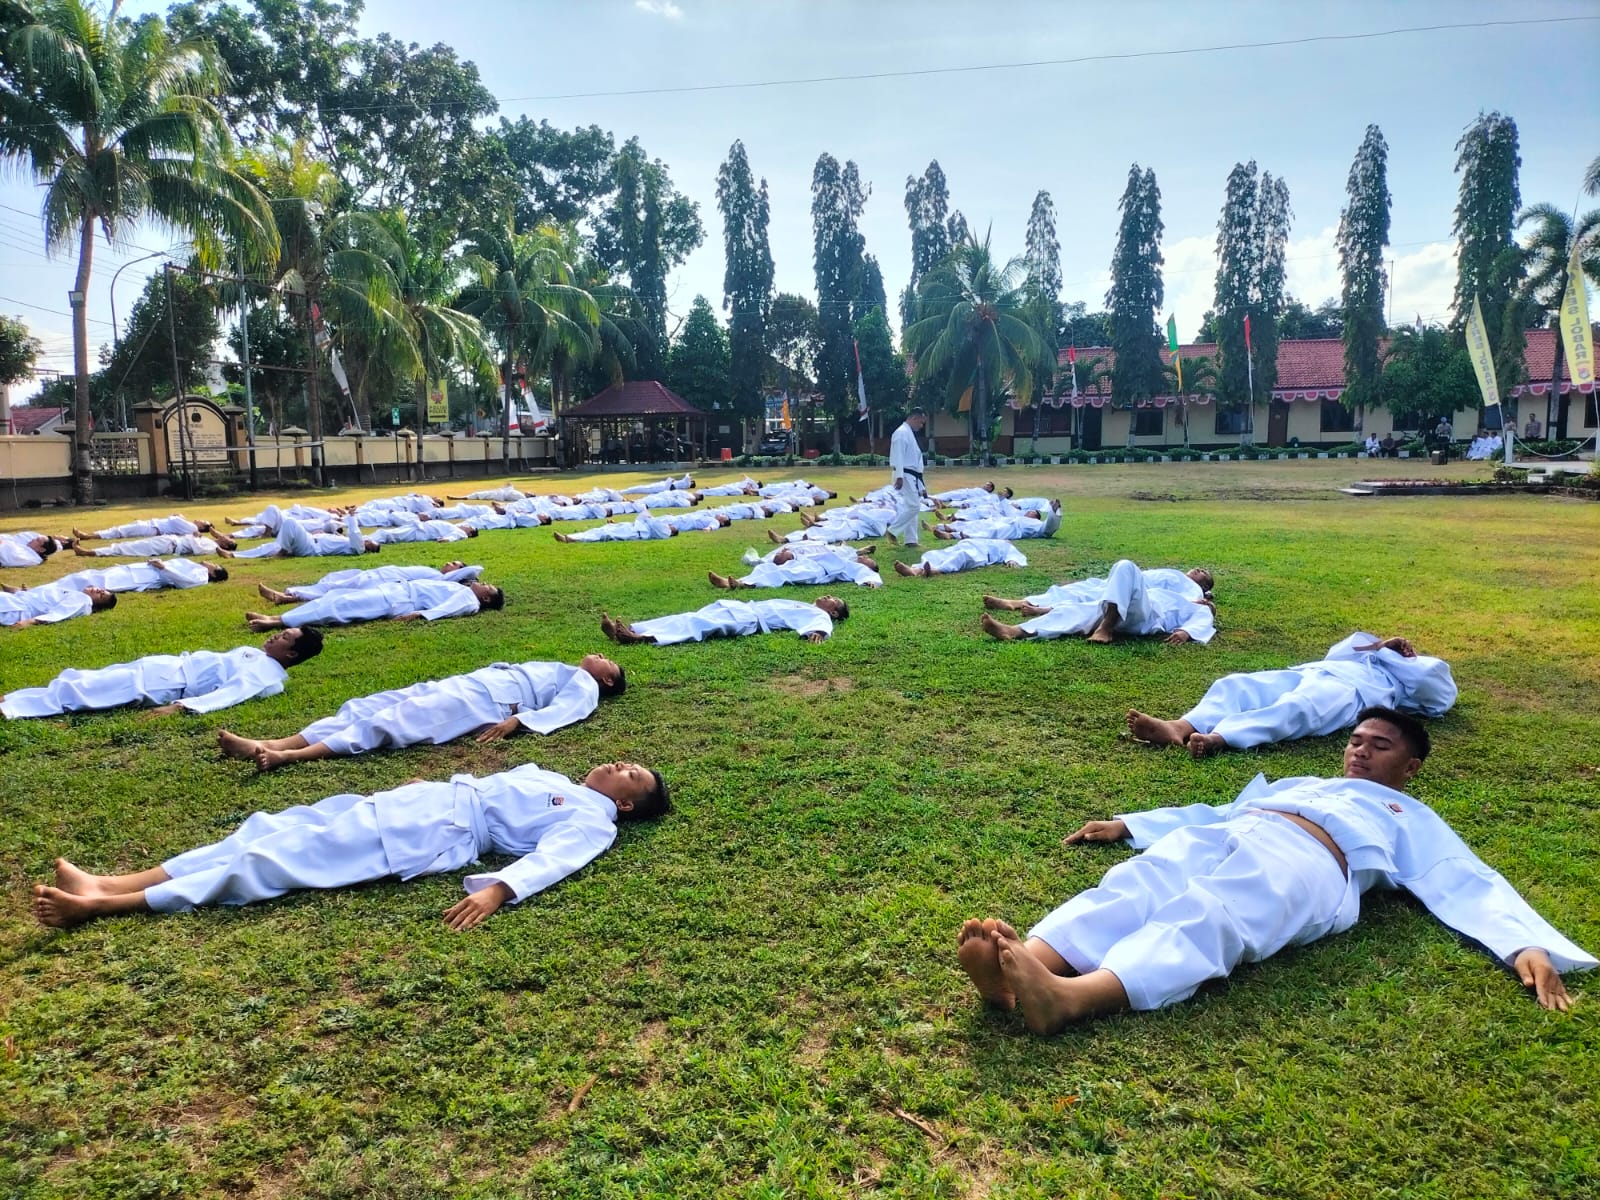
834, 607
1203, 577
639, 793
291, 647
1386, 747
613, 680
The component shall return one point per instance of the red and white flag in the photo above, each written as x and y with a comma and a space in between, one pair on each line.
861, 385
1247, 333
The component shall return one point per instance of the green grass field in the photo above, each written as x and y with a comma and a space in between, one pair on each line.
758, 996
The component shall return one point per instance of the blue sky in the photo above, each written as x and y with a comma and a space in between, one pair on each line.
1000, 135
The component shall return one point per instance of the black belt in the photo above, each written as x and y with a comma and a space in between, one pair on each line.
915, 474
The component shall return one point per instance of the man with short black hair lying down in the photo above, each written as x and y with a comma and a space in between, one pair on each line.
1283, 865
808, 563
163, 545
1257, 707
455, 571
149, 576
495, 701
966, 555
413, 599
197, 680
557, 826
50, 603
176, 523
732, 618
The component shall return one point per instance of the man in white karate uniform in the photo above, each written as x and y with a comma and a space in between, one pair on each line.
732, 618
815, 564
50, 603
294, 540
355, 577
1010, 526
856, 522
163, 545
739, 487
149, 576
504, 494
1312, 699
965, 555
1283, 865
640, 529
421, 828
424, 531
146, 527
1121, 603
26, 549
905, 472
409, 600
963, 496
686, 483
494, 701
704, 521
196, 681
1195, 584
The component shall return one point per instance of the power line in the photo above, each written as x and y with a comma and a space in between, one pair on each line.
1043, 62
55, 311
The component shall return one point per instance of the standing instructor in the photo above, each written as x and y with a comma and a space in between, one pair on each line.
905, 465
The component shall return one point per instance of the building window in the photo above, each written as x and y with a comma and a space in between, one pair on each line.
1053, 422
1591, 410
1232, 420
1149, 422
1336, 418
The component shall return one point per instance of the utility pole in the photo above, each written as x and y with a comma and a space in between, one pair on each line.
249, 396
177, 382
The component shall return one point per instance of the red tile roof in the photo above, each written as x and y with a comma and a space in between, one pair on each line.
636, 398
29, 419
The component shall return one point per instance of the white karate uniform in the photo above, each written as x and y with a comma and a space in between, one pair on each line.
434, 599
200, 680
964, 495
471, 513
1009, 526
973, 552
15, 551
176, 523
659, 486
294, 540
905, 470
1141, 609
422, 531
139, 577
503, 494
826, 565
694, 522
355, 577
843, 525
737, 618
668, 500
271, 517
556, 825
47, 605
640, 529
543, 696
1168, 579
731, 489
161, 545
598, 495
1324, 697
1217, 886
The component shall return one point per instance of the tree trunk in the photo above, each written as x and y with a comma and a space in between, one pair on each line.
313, 397
982, 408
422, 407
82, 433
505, 420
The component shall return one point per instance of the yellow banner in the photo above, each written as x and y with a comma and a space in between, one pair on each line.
439, 400
966, 401
787, 423
1575, 332
1482, 356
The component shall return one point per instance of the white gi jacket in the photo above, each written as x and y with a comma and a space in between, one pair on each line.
47, 605
138, 577
737, 618
200, 680
1422, 684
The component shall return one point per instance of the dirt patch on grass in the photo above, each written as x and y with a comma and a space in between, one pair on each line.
813, 1048
795, 685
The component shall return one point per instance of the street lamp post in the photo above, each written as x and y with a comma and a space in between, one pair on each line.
116, 336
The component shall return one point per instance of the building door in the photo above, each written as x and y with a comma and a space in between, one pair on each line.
1278, 423
1562, 406
1088, 427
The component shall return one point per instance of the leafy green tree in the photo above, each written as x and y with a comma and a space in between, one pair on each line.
114, 119
882, 369
795, 337
974, 322
1591, 178
1548, 255
747, 278
1251, 239
837, 201
1363, 234
278, 357
19, 350
1136, 291
1201, 377
1427, 373
1298, 321
141, 365
699, 366
1080, 327
1042, 258
558, 177
1488, 261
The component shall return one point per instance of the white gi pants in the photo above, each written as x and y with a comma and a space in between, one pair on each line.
76, 689
342, 607
907, 511
1124, 587
423, 712
1274, 706
971, 553
1200, 901
332, 843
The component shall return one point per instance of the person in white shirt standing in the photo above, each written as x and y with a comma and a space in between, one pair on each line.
1283, 865
905, 469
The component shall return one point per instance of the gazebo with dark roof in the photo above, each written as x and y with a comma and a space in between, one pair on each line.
638, 421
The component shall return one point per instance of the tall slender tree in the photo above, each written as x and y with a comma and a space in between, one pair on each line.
837, 201
1042, 250
746, 280
115, 119
1489, 264
1363, 233
699, 365
1136, 291
1267, 301
1252, 235
933, 226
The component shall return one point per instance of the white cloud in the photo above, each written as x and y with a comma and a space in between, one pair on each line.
660, 8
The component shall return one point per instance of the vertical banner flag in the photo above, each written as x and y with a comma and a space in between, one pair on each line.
787, 423
1072, 361
439, 400
861, 384
1575, 332
537, 421
1482, 356
1172, 345
1249, 361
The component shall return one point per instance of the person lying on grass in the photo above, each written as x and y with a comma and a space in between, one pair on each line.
408, 600
556, 826
732, 618
494, 701
1285, 864
1125, 602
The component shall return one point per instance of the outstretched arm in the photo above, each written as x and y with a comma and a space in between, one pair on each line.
1098, 831
1534, 968
476, 908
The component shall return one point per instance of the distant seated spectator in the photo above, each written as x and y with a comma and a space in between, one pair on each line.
1373, 446
1391, 448
1533, 431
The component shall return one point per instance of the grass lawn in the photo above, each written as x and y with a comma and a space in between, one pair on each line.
758, 996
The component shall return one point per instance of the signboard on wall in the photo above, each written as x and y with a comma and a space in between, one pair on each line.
439, 401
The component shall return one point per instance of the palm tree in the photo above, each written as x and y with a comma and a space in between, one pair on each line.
1200, 378
1547, 255
973, 320
524, 296
1591, 178
113, 117
621, 328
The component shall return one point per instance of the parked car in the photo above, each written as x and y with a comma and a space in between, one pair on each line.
776, 444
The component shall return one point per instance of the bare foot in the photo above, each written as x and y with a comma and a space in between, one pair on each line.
1156, 731
870, 564
891, 539
1006, 633
907, 570
76, 880
273, 596
81, 535
774, 537
1202, 744
62, 910
721, 581
270, 760
623, 632
234, 746
1032, 610
980, 959
1048, 1002
224, 541
561, 537
82, 553
1000, 604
